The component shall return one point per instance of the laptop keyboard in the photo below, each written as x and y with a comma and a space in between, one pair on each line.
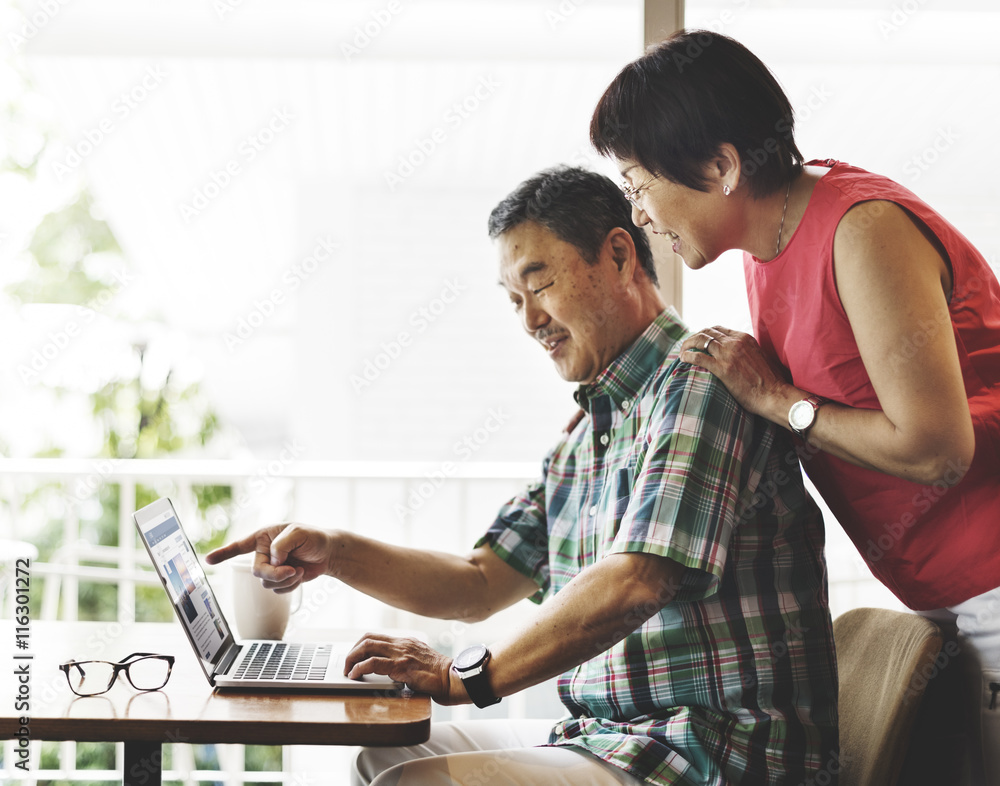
280, 661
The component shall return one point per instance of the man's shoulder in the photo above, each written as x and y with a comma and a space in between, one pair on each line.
675, 378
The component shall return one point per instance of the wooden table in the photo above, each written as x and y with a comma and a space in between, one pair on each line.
187, 710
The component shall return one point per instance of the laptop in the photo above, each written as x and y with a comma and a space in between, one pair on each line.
227, 663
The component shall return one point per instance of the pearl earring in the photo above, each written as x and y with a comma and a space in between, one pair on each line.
727, 190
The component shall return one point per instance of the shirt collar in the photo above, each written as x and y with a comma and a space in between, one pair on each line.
630, 371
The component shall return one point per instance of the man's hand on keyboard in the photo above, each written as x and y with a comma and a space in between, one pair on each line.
285, 555
423, 669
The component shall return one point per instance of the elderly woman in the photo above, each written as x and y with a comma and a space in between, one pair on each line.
877, 326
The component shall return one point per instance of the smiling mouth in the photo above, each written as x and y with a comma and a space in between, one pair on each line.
552, 343
674, 238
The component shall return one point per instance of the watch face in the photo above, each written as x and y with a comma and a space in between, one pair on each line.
801, 415
468, 658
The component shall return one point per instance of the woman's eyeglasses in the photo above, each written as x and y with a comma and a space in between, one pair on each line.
632, 192
144, 670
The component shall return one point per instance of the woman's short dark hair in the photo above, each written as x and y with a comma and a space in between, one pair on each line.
578, 206
673, 108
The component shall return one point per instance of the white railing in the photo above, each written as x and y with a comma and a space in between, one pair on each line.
277, 484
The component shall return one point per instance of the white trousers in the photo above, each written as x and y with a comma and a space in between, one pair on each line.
975, 628
494, 752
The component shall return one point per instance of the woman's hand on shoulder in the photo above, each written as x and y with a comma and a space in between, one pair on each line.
757, 383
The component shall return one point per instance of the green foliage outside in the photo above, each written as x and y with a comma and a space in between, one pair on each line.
72, 258
135, 421
60, 248
101, 756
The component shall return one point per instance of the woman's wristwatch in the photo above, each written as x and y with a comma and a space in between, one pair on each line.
470, 666
802, 415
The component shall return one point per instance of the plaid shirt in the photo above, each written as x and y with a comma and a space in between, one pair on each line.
734, 681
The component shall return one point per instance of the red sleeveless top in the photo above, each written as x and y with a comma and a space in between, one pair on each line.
933, 546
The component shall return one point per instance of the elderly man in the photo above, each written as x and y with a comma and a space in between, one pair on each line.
673, 550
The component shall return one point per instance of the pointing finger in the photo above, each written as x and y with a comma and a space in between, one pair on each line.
230, 550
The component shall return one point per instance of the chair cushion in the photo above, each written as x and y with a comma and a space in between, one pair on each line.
884, 660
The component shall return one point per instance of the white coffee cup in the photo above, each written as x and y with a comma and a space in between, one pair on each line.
260, 613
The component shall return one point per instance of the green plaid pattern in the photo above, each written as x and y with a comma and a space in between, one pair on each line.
734, 682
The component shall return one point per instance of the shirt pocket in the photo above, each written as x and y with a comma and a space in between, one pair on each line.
620, 489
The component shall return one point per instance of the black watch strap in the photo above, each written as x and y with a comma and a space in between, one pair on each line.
478, 688
475, 680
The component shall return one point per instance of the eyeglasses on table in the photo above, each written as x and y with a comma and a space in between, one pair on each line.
145, 671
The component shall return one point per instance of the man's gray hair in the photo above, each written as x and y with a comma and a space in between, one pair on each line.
578, 206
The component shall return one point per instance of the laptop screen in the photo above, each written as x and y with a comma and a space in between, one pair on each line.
187, 586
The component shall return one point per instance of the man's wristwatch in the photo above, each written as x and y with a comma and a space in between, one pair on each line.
470, 666
802, 415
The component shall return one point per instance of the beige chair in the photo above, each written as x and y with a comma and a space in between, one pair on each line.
885, 659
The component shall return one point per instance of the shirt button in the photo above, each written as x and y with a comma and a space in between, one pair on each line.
593, 510
604, 439
626, 405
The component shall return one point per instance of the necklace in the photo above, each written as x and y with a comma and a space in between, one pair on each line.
777, 248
